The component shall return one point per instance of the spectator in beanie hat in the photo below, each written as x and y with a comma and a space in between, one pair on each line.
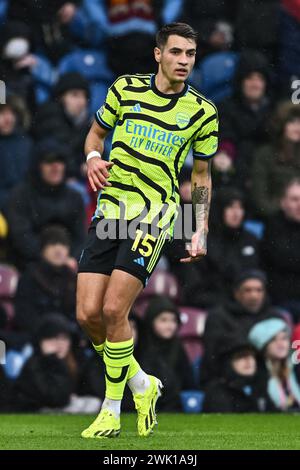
271, 338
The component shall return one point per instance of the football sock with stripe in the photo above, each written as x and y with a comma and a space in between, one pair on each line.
117, 359
99, 349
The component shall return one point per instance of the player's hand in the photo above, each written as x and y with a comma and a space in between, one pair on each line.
196, 249
97, 172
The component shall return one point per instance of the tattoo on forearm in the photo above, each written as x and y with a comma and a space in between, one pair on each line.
200, 200
200, 195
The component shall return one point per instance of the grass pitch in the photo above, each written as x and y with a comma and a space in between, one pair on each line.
175, 431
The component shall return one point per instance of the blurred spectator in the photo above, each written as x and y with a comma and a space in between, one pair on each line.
289, 40
223, 169
163, 354
234, 317
244, 117
87, 21
132, 29
66, 119
15, 146
257, 26
281, 251
48, 285
42, 200
49, 22
26, 74
272, 338
230, 250
53, 377
213, 21
275, 164
238, 389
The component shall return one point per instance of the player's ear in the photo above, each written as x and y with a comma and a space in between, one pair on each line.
157, 54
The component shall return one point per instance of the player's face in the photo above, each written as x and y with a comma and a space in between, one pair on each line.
279, 347
177, 58
251, 295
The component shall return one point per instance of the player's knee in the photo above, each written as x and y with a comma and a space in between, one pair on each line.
112, 313
87, 315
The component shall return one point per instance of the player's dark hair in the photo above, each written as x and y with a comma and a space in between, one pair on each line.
179, 29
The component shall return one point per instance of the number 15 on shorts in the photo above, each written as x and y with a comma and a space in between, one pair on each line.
144, 245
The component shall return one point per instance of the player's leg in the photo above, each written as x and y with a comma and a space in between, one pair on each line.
91, 288
120, 294
122, 290
138, 257
95, 267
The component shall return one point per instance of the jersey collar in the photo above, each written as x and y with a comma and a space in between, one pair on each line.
169, 96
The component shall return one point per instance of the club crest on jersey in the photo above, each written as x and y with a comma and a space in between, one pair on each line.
182, 120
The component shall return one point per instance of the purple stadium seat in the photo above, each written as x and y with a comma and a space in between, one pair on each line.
191, 331
160, 283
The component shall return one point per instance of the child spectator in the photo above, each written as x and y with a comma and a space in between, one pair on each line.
272, 338
238, 389
163, 354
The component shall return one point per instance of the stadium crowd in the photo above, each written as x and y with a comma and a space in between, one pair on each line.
221, 334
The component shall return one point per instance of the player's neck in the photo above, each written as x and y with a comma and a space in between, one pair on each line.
165, 86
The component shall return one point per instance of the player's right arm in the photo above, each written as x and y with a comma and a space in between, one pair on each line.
105, 120
97, 169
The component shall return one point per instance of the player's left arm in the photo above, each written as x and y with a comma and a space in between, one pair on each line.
201, 196
205, 145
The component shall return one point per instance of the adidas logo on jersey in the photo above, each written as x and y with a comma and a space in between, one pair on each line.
139, 261
137, 108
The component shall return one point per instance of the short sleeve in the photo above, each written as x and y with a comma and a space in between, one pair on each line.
205, 143
108, 114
